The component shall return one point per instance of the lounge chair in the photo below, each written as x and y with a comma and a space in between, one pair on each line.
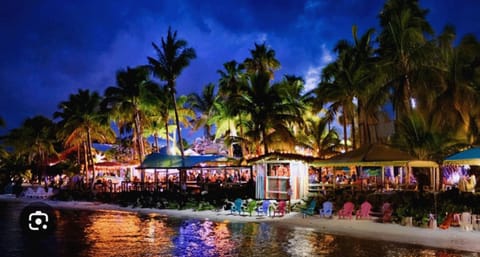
264, 208
327, 210
281, 208
251, 207
346, 211
364, 211
310, 210
237, 206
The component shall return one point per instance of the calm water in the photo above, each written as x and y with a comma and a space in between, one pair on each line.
113, 233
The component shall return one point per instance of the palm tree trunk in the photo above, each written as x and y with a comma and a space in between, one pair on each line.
354, 141
139, 132
344, 130
155, 141
242, 143
168, 135
265, 145
183, 172
90, 156
85, 160
177, 123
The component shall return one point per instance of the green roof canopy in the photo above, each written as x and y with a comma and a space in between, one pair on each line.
467, 157
163, 161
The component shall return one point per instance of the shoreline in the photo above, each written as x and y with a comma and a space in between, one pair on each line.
453, 238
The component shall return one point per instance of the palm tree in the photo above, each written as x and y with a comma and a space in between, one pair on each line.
35, 141
83, 122
263, 60
349, 84
232, 87
456, 107
319, 137
172, 57
269, 110
406, 54
127, 102
204, 104
421, 139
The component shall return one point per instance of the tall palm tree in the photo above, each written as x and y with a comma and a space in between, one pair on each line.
204, 104
269, 110
172, 57
456, 107
232, 87
406, 53
350, 84
82, 122
126, 102
263, 60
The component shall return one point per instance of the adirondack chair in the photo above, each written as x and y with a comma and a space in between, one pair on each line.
29, 193
237, 206
346, 211
310, 210
327, 210
364, 211
387, 211
281, 208
251, 207
264, 208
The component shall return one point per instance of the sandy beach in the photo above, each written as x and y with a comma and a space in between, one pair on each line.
452, 238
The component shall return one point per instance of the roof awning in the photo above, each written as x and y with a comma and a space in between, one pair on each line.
163, 161
375, 155
467, 157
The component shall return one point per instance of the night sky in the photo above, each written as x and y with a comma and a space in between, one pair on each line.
50, 49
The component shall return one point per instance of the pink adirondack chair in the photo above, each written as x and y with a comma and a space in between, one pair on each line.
387, 211
364, 211
346, 211
281, 208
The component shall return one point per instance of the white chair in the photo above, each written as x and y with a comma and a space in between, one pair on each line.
466, 221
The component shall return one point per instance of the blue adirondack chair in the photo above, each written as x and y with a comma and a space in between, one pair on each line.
310, 210
264, 208
237, 206
327, 210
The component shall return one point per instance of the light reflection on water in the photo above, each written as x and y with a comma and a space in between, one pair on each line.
115, 233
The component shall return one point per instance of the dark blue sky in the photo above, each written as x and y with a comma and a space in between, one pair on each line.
50, 49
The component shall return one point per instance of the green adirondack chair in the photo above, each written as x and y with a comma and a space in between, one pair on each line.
310, 210
251, 207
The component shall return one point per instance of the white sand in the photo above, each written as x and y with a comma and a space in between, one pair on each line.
452, 238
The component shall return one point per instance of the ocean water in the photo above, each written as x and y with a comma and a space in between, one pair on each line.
116, 233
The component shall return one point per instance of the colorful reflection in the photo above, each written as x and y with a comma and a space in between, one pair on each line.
203, 238
111, 233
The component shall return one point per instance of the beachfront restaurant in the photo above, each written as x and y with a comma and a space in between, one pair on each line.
461, 169
163, 172
281, 176
375, 167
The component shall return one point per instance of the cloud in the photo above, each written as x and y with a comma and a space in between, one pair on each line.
313, 74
